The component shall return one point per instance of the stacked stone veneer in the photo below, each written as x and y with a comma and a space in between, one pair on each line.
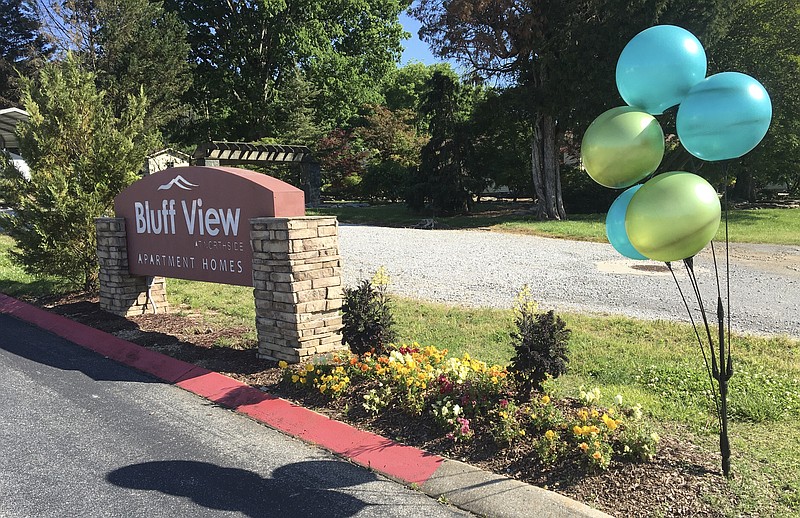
121, 293
297, 286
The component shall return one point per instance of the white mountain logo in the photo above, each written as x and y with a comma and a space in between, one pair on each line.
179, 182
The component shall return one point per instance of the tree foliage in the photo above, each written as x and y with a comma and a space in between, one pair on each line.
445, 180
22, 47
394, 145
559, 56
129, 45
764, 42
81, 155
248, 53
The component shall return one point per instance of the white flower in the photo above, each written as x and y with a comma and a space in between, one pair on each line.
618, 399
456, 410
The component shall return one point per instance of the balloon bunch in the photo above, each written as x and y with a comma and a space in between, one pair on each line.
674, 215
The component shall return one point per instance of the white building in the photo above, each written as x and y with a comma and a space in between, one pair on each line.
9, 118
164, 159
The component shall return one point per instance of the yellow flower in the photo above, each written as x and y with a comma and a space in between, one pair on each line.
522, 432
550, 435
310, 367
595, 413
597, 455
323, 388
295, 378
610, 423
577, 430
282, 364
545, 399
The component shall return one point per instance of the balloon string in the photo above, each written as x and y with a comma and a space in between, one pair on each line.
699, 341
727, 268
689, 262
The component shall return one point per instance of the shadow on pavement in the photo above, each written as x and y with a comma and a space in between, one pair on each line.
34, 344
295, 490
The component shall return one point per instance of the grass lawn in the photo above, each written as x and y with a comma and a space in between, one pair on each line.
15, 281
775, 226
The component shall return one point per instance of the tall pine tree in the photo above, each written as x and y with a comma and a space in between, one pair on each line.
22, 47
81, 155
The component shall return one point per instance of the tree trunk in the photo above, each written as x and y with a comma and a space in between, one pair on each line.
745, 186
545, 170
537, 165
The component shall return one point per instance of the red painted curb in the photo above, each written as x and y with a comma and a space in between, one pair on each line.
405, 463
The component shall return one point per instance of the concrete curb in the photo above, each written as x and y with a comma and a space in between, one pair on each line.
462, 485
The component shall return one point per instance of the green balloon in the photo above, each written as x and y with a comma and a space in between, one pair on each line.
622, 146
673, 216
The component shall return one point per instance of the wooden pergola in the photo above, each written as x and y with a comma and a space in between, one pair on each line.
237, 153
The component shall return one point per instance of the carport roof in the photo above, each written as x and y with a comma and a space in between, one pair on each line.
9, 118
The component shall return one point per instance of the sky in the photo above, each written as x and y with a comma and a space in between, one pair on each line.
415, 50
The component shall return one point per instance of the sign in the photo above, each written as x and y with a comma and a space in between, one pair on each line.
193, 222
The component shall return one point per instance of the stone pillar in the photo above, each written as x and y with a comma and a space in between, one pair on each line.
297, 286
121, 293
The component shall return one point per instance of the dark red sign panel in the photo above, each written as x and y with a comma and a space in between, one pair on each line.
193, 222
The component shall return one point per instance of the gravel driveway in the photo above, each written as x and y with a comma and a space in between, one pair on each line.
486, 269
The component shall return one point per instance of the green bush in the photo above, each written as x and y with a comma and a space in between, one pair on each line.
367, 321
540, 344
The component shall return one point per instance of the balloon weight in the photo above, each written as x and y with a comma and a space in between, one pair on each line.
673, 216
724, 116
622, 146
615, 225
659, 66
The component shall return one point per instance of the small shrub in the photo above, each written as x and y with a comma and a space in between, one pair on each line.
540, 342
505, 425
367, 321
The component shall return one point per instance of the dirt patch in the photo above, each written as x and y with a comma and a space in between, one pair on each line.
681, 481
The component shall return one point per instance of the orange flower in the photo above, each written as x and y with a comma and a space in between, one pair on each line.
597, 455
364, 367
583, 446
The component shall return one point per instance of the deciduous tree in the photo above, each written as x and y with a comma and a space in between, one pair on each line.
129, 45
559, 54
246, 54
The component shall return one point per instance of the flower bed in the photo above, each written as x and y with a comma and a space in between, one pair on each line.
464, 400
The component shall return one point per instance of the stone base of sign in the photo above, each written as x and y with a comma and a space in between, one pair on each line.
297, 286
121, 293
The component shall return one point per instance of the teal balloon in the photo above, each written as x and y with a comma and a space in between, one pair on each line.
673, 216
659, 66
724, 116
615, 225
622, 146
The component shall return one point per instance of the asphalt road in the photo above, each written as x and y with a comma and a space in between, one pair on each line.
83, 436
